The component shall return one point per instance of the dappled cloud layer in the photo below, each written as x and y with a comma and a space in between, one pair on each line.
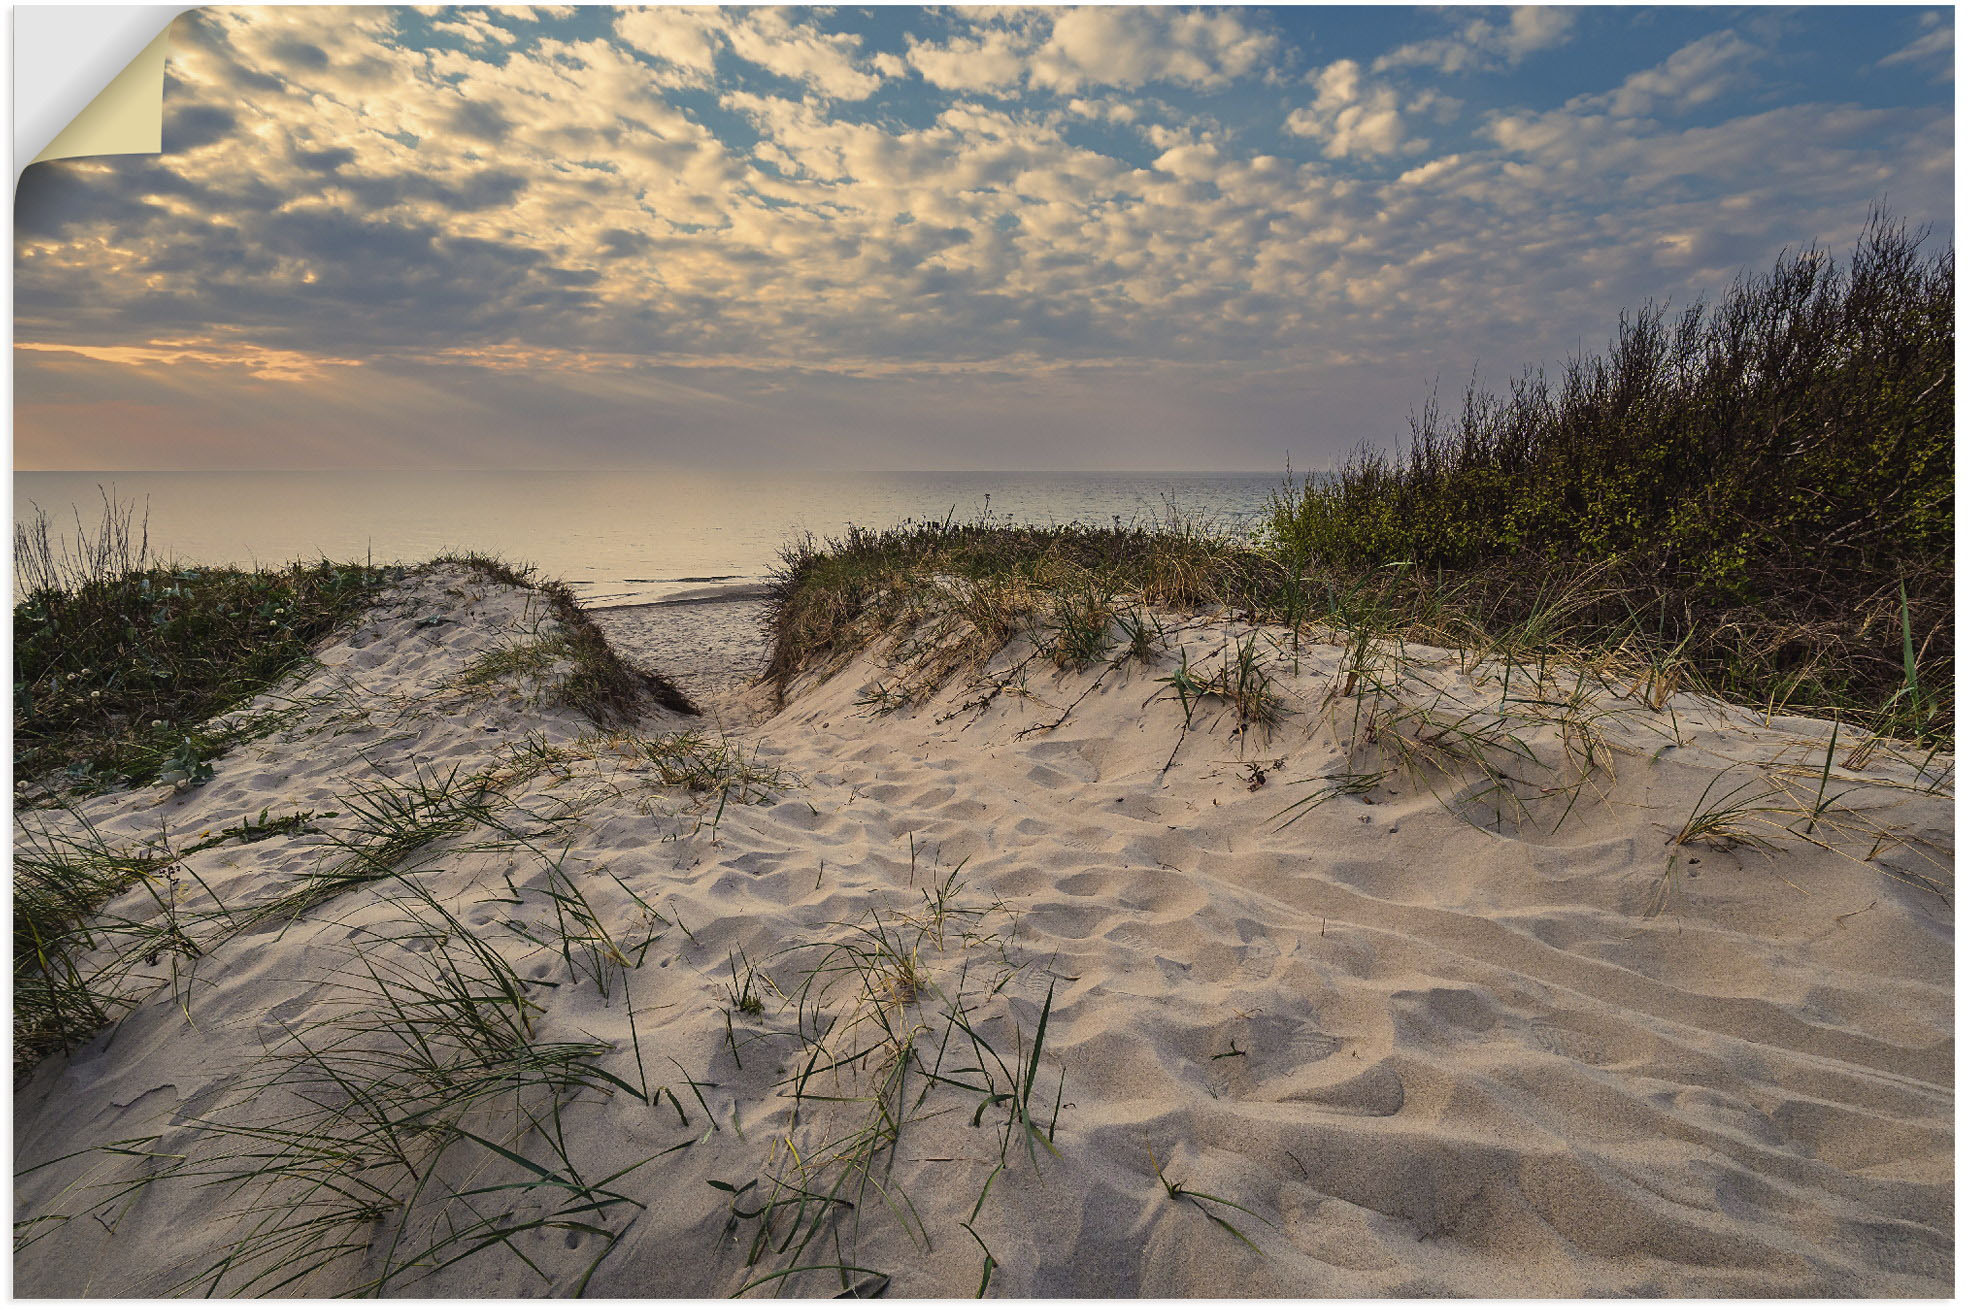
372, 224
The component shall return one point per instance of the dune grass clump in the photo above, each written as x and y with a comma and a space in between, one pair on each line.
515, 662
719, 767
80, 960
829, 600
59, 998
121, 660
1764, 486
418, 1123
898, 1020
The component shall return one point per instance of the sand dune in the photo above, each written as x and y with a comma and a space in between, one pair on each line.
1486, 1029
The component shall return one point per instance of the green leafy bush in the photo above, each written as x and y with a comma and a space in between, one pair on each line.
1806, 420
1763, 480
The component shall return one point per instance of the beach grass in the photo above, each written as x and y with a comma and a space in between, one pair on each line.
900, 1024
416, 1126
122, 660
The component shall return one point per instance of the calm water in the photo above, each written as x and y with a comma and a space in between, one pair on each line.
617, 537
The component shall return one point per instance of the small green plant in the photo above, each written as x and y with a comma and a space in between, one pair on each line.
1822, 802
881, 699
1081, 620
1912, 709
1203, 1200
185, 767
1729, 821
1240, 680
1246, 685
264, 828
1141, 633
1336, 785
744, 992
580, 936
517, 662
1185, 685
719, 766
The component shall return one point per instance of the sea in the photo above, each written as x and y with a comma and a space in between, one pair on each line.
617, 538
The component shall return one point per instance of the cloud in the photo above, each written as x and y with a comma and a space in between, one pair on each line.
825, 62
1482, 45
477, 28
684, 36
1112, 46
1697, 73
731, 212
255, 361
995, 58
1351, 117
1071, 49
690, 39
1933, 47
191, 126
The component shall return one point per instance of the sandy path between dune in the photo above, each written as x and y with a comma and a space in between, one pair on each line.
708, 647
1429, 1038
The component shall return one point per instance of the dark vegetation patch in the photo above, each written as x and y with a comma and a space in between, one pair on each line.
1764, 486
121, 661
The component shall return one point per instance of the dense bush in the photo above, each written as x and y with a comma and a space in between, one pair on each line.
1781, 461
1806, 419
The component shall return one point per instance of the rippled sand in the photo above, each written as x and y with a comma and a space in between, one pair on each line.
1415, 1043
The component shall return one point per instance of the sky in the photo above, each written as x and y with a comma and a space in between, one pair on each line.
959, 238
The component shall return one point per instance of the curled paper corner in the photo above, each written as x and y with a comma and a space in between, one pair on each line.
126, 117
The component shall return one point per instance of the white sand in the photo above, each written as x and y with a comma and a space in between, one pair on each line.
704, 646
1429, 1057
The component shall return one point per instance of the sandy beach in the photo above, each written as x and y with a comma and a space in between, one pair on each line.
707, 644
1051, 983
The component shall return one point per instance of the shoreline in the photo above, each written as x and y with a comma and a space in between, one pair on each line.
749, 591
